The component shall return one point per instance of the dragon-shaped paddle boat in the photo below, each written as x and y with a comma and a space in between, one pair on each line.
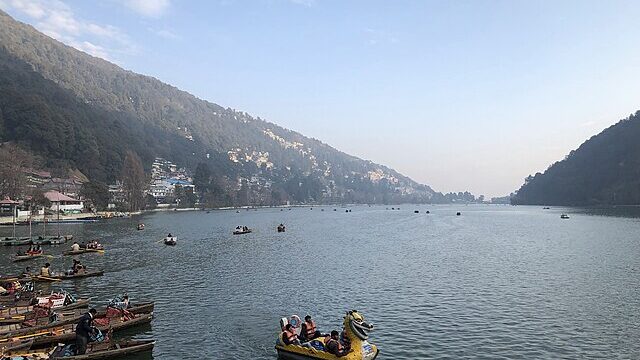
355, 332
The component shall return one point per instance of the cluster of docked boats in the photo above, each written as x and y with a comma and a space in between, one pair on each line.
39, 240
35, 326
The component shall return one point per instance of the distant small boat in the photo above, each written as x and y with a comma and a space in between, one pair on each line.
171, 241
564, 216
546, 208
141, 226
281, 228
458, 213
242, 230
416, 212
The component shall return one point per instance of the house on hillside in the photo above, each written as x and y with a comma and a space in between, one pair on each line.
64, 203
68, 186
36, 178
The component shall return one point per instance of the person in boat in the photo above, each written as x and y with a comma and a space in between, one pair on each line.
289, 336
37, 249
169, 236
75, 246
26, 272
333, 346
84, 329
45, 271
77, 267
309, 329
3, 291
83, 245
245, 229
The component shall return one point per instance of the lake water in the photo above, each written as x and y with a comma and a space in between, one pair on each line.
495, 282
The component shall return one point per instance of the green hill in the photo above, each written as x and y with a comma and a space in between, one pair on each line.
603, 170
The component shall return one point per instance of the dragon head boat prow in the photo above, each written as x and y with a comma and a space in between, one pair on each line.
353, 338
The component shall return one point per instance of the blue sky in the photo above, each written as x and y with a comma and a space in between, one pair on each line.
460, 95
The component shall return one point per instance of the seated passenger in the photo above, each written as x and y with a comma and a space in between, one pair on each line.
309, 329
75, 246
332, 345
289, 336
44, 271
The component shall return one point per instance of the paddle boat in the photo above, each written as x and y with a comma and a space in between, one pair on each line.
355, 332
241, 230
170, 240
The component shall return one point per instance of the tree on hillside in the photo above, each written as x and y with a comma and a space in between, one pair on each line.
13, 160
97, 193
133, 181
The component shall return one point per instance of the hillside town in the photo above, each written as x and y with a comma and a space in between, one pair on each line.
45, 197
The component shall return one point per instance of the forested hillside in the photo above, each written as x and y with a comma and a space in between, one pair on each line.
78, 111
603, 170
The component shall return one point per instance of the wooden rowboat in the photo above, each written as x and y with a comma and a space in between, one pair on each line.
19, 258
40, 278
106, 350
9, 348
23, 310
82, 251
66, 333
74, 313
33, 324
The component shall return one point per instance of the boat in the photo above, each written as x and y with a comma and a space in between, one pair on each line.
281, 228
83, 251
43, 319
171, 241
14, 347
141, 226
40, 278
13, 241
240, 230
66, 333
356, 331
61, 301
35, 316
564, 216
28, 256
104, 350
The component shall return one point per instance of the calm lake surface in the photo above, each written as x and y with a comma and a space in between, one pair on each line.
496, 282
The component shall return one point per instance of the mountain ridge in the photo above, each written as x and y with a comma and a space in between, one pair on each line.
236, 144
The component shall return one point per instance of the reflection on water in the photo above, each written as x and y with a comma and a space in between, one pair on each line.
496, 282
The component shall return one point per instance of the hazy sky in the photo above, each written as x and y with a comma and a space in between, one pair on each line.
460, 95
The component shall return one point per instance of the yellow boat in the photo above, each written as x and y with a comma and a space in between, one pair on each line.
357, 332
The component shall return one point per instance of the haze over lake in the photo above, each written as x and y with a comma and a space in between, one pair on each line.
495, 282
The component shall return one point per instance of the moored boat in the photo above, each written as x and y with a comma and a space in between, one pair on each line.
42, 319
105, 350
13, 241
66, 333
355, 333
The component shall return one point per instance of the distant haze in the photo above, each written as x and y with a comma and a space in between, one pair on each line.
464, 95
